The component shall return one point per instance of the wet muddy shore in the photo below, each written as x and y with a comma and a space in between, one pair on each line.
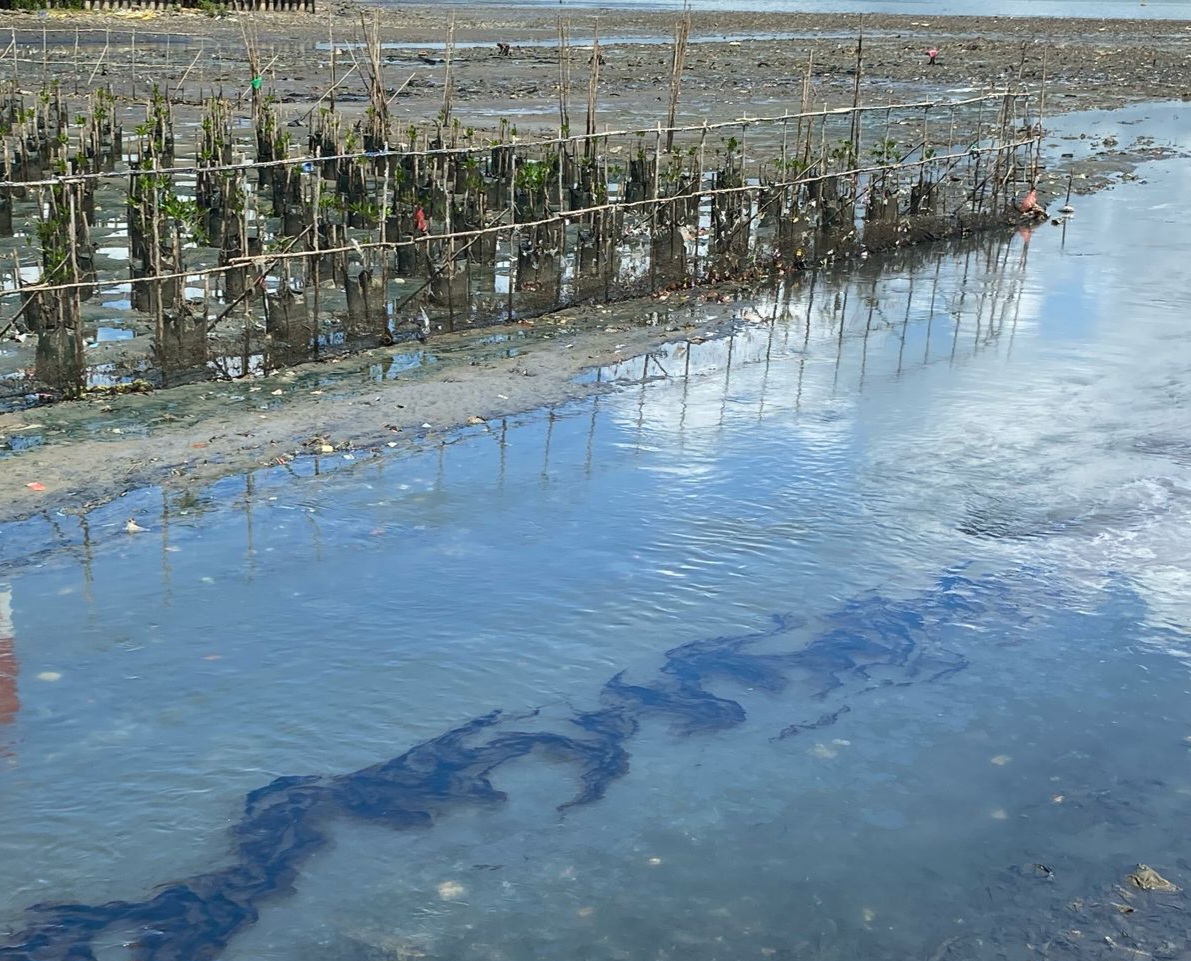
78, 454
738, 63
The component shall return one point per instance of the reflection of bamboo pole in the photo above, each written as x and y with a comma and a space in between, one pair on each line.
249, 543
806, 339
930, 317
591, 427
768, 359
88, 565
166, 568
959, 311
727, 379
502, 441
9, 701
901, 350
868, 326
551, 415
842, 310
1025, 253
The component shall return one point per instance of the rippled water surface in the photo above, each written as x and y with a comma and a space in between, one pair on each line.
943, 499
1090, 9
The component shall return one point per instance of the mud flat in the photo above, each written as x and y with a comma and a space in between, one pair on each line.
737, 63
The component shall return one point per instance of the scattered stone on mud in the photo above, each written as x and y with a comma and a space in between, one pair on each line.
1146, 878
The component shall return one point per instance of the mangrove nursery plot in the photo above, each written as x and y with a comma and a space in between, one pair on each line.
265, 234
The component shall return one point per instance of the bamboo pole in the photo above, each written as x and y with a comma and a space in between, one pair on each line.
593, 83
682, 31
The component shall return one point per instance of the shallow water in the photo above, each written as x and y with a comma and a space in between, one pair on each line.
1090, 9
960, 478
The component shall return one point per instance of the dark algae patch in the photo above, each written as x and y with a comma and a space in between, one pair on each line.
869, 642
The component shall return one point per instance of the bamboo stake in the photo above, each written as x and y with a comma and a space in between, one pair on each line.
593, 82
448, 88
331, 44
682, 31
564, 81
